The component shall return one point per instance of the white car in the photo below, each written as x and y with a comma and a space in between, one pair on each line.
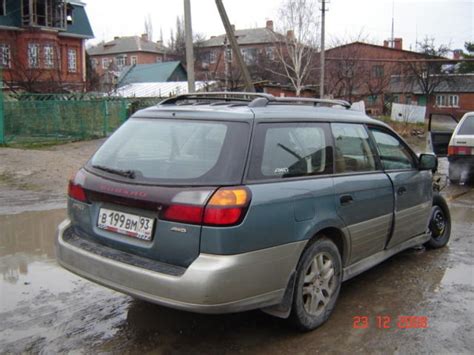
461, 150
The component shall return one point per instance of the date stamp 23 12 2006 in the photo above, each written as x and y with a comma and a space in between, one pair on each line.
386, 322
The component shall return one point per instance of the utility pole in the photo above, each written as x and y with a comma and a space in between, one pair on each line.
235, 46
322, 56
189, 45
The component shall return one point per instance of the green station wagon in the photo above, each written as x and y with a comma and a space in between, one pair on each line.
227, 202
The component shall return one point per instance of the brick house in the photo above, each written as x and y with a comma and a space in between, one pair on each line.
362, 71
453, 95
42, 45
126, 51
258, 47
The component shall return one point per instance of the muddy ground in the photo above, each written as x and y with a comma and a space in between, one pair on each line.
46, 309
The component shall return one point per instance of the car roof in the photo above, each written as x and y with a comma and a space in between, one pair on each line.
214, 107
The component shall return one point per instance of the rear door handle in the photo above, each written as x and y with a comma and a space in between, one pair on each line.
346, 199
401, 190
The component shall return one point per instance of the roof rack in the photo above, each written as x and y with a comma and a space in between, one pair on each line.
209, 97
253, 99
262, 102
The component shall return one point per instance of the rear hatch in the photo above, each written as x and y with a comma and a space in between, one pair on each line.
462, 141
146, 188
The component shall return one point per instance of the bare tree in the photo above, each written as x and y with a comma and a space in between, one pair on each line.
427, 75
149, 27
296, 50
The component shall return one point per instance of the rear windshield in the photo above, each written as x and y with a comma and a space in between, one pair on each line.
176, 152
467, 126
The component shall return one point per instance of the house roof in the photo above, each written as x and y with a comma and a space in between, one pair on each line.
388, 49
245, 37
126, 45
159, 89
149, 73
451, 83
80, 27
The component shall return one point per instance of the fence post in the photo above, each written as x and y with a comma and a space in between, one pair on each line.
106, 117
123, 110
2, 113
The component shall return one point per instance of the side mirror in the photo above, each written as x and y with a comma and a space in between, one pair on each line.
428, 162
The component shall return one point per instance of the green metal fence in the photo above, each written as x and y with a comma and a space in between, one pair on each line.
56, 119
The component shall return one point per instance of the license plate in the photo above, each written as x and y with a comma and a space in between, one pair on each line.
126, 223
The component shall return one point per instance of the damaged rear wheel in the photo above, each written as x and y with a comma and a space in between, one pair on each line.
440, 223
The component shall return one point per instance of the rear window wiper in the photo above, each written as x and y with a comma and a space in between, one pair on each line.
126, 173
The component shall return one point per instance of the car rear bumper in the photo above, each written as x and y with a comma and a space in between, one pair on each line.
211, 284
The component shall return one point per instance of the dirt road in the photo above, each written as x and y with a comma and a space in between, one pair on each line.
46, 309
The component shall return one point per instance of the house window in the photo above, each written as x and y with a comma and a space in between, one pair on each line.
105, 63
71, 60
212, 56
121, 61
33, 55
69, 14
372, 99
454, 100
396, 99
159, 59
3, 7
48, 51
228, 54
270, 53
5, 55
408, 99
249, 55
440, 100
133, 60
377, 71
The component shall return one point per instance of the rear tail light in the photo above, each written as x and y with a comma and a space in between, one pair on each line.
226, 207
458, 150
76, 192
184, 213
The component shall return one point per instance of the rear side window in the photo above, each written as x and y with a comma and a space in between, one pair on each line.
467, 127
393, 153
290, 150
177, 151
353, 150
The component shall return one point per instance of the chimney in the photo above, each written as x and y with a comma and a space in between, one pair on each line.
269, 25
385, 43
145, 37
398, 43
233, 28
116, 38
159, 43
457, 54
290, 34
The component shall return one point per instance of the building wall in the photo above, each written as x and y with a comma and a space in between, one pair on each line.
20, 70
349, 76
466, 103
142, 58
217, 67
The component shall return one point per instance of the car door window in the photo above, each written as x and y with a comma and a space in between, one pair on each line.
290, 150
394, 155
353, 152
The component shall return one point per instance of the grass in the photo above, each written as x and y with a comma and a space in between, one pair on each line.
402, 128
37, 145
8, 179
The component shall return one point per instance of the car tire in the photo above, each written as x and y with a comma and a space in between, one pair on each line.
317, 285
440, 223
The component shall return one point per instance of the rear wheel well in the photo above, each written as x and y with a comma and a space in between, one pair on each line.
336, 236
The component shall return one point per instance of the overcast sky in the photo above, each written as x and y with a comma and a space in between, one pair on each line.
450, 22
